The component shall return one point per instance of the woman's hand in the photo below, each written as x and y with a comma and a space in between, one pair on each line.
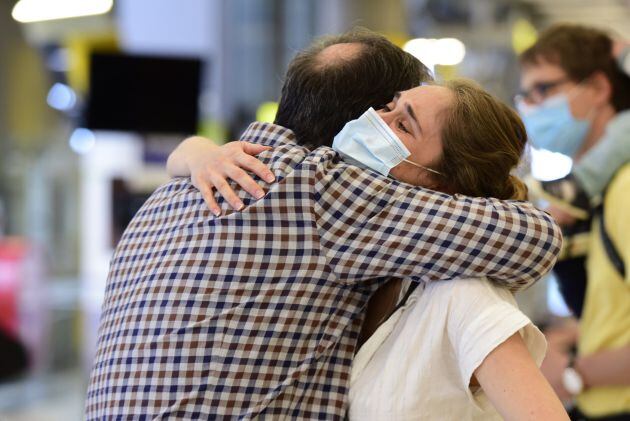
210, 166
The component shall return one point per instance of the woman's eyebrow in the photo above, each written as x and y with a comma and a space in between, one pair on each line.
409, 111
413, 116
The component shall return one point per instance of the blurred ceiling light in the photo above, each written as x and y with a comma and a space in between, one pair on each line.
26, 11
61, 97
450, 51
444, 51
82, 141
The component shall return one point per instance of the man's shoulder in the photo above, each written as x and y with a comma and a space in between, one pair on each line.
286, 152
173, 187
173, 198
328, 170
286, 148
269, 134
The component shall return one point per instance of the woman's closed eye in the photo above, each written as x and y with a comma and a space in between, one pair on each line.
400, 125
390, 106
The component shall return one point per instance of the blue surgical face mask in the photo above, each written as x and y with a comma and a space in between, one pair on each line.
368, 142
551, 126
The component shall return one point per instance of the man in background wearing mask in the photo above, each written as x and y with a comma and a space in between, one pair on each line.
576, 101
256, 313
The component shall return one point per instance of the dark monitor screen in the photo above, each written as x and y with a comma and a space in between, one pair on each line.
143, 94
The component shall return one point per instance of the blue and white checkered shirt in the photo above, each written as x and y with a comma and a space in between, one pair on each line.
256, 314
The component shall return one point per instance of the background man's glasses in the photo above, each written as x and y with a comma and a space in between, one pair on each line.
539, 91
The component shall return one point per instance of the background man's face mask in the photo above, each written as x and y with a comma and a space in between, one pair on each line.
550, 125
369, 142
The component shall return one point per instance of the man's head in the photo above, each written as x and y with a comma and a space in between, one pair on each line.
576, 61
338, 78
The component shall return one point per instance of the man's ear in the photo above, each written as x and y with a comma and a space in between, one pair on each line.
602, 88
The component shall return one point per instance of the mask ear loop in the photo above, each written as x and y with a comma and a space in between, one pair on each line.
423, 167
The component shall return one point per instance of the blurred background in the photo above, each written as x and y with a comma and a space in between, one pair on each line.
94, 94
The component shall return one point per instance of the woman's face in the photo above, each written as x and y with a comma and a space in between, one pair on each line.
415, 117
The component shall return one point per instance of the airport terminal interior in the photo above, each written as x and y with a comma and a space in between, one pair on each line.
95, 95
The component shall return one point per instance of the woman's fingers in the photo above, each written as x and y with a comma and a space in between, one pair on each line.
252, 164
245, 181
248, 162
205, 186
208, 197
226, 191
254, 148
231, 162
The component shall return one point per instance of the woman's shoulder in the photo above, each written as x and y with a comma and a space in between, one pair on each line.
467, 311
479, 316
469, 292
475, 311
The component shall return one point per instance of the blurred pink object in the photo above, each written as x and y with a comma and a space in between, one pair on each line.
23, 313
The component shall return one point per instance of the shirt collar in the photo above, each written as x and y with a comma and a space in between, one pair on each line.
268, 134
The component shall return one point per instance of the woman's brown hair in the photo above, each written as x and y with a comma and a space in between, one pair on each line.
482, 142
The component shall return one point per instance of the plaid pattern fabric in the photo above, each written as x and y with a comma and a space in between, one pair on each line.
255, 314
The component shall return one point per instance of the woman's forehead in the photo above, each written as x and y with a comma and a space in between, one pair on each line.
435, 96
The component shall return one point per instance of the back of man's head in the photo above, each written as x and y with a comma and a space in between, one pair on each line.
581, 51
338, 78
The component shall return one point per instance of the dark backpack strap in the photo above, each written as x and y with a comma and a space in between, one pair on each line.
611, 250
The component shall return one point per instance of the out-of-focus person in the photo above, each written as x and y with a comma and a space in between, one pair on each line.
576, 100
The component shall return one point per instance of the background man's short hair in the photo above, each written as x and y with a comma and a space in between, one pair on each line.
581, 51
